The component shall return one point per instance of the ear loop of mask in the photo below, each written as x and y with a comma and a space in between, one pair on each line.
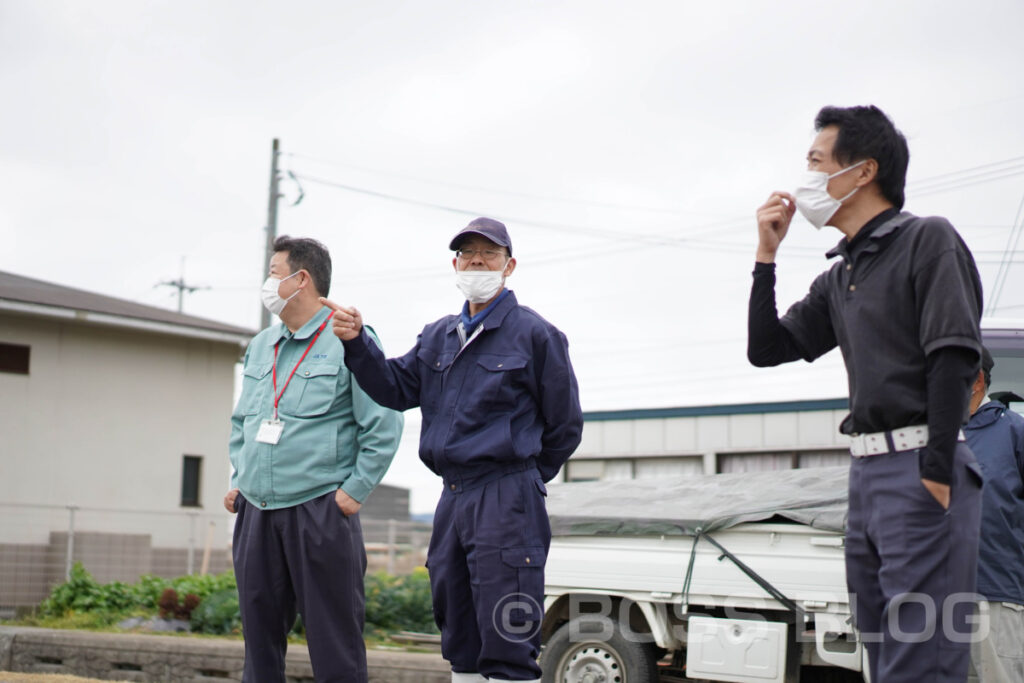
841, 172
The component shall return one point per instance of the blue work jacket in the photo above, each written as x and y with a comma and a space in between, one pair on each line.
996, 436
335, 436
506, 398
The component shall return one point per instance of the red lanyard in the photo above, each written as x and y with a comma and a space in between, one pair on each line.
277, 396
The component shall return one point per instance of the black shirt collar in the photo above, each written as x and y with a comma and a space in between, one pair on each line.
849, 249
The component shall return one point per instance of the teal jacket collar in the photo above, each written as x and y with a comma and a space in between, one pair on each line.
304, 332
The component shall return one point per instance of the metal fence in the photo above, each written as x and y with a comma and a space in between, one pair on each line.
40, 543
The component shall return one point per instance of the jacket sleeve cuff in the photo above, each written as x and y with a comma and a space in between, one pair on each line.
357, 346
356, 489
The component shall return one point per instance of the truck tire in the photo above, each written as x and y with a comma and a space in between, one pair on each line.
596, 652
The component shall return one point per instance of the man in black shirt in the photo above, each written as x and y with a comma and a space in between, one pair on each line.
903, 304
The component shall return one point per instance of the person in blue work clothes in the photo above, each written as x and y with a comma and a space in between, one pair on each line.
903, 303
501, 414
307, 446
996, 436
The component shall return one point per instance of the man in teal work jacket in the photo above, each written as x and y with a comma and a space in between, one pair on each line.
307, 446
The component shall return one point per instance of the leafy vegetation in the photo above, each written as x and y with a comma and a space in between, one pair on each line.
210, 603
399, 603
217, 614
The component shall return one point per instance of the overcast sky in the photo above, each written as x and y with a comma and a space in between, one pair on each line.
626, 146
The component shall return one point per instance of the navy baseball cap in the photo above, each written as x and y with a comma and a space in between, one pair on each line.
485, 227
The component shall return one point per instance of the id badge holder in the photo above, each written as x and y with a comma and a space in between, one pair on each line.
270, 431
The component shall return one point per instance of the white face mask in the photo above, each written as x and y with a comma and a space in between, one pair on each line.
479, 286
813, 199
271, 299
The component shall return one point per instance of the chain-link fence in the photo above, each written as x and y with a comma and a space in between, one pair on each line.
40, 543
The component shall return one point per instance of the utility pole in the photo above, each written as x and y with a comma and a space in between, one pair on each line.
271, 226
180, 285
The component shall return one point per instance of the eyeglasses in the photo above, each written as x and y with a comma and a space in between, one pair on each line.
487, 254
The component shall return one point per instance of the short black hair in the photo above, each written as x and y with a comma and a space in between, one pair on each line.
987, 363
867, 133
309, 255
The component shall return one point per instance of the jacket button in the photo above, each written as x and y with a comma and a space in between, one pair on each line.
453, 487
306, 373
527, 560
501, 365
853, 288
263, 504
437, 364
849, 267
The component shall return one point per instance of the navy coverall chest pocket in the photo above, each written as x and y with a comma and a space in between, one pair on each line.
433, 366
498, 384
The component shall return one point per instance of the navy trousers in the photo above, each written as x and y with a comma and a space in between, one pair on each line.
486, 561
309, 557
911, 565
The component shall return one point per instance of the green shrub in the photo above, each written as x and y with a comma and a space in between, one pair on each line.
217, 614
80, 592
203, 586
147, 591
393, 603
399, 603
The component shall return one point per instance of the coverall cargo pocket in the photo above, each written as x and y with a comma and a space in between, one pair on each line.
312, 390
522, 601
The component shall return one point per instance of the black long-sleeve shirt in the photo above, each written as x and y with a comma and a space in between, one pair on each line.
904, 305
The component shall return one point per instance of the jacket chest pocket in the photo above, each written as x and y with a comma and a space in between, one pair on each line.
496, 379
312, 390
433, 366
254, 388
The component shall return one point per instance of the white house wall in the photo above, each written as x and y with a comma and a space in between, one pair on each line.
103, 420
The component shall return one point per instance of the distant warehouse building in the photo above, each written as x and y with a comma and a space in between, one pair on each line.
691, 441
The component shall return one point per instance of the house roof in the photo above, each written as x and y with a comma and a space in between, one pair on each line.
24, 295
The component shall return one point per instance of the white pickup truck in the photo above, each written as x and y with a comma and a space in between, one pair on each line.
729, 577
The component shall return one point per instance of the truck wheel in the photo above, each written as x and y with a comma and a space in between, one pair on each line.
593, 649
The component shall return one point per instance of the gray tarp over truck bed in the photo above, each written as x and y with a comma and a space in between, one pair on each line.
678, 506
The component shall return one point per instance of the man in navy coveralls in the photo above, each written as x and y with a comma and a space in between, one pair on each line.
501, 414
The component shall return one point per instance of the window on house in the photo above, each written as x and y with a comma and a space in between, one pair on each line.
14, 358
599, 470
829, 458
191, 475
654, 468
756, 462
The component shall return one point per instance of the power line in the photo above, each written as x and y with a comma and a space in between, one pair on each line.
967, 181
969, 170
1004, 266
653, 239
941, 182
638, 241
492, 190
181, 286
